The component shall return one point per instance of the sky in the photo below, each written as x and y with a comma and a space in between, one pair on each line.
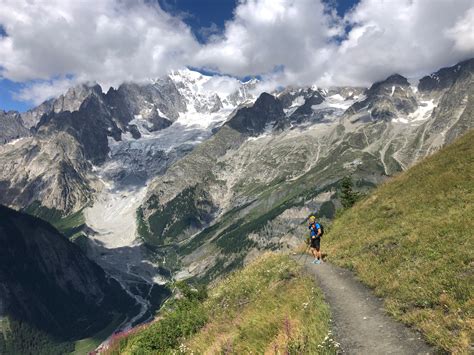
47, 46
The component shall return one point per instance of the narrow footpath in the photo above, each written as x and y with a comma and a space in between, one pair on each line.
360, 323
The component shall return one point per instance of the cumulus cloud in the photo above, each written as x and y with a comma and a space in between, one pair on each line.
38, 92
411, 37
287, 42
108, 40
462, 33
265, 34
404, 36
221, 84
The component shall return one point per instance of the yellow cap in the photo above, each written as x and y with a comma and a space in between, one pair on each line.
312, 218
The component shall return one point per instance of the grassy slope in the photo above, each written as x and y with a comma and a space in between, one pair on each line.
268, 306
84, 346
412, 241
70, 226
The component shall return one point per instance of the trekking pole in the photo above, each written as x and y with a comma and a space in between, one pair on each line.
305, 252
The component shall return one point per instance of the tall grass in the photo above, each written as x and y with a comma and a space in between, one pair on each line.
270, 306
412, 240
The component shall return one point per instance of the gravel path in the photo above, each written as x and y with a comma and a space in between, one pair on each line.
360, 322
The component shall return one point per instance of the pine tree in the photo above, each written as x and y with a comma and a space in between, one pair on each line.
348, 195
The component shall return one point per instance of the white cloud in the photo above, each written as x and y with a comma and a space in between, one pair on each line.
38, 92
462, 33
411, 37
224, 85
112, 41
107, 41
403, 36
265, 34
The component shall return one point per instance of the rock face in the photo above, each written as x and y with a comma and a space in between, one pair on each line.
52, 170
51, 293
54, 166
160, 99
388, 99
445, 77
70, 101
252, 121
11, 127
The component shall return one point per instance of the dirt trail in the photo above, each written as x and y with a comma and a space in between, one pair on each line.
360, 322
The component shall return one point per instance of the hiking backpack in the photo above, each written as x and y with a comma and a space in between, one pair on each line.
322, 228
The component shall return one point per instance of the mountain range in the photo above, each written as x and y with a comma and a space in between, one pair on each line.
181, 178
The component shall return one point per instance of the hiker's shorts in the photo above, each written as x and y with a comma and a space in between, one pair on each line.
316, 243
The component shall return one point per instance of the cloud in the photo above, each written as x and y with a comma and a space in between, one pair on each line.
404, 36
107, 41
265, 34
411, 37
462, 33
38, 92
286, 42
210, 31
221, 84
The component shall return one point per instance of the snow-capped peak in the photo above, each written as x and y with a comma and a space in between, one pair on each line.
207, 95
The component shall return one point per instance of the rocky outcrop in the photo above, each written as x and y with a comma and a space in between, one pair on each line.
265, 113
91, 126
54, 166
11, 127
445, 77
70, 101
387, 99
52, 170
50, 288
160, 99
306, 110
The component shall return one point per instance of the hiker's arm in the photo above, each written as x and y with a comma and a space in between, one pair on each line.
319, 232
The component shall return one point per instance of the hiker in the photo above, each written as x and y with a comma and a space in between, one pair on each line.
316, 231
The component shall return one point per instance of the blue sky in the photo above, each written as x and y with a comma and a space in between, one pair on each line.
204, 16
209, 16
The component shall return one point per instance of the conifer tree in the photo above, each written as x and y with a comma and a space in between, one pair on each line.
348, 195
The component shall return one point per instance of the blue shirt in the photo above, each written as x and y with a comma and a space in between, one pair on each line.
314, 229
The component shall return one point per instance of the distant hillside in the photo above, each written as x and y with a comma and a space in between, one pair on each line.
412, 241
270, 306
51, 294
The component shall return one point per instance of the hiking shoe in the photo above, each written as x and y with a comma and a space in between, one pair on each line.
317, 262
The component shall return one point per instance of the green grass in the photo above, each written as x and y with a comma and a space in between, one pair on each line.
70, 226
270, 305
21, 337
84, 346
189, 209
412, 241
